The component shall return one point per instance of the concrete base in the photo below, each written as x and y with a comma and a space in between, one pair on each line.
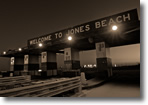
24, 73
48, 66
72, 64
18, 67
31, 67
104, 66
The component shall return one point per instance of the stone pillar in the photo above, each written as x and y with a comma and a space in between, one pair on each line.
12, 63
16, 65
31, 64
12, 66
48, 63
103, 60
71, 59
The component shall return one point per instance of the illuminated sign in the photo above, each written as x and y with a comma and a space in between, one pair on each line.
41, 39
12, 60
92, 26
67, 54
26, 59
101, 50
44, 57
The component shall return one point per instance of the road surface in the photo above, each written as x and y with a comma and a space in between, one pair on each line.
115, 88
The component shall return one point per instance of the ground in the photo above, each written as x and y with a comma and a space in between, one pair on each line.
115, 88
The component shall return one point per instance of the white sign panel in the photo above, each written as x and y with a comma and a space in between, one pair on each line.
67, 54
12, 61
26, 59
100, 50
44, 57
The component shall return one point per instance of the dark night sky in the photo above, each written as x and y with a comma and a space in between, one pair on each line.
21, 20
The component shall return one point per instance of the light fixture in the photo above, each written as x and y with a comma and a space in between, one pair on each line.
4, 52
40, 44
115, 65
20, 49
69, 38
114, 27
39, 70
94, 65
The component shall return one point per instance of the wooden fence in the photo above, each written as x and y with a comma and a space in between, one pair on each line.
11, 82
46, 89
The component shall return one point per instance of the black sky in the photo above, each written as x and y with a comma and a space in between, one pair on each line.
21, 20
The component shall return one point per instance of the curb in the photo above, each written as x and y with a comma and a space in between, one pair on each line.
97, 84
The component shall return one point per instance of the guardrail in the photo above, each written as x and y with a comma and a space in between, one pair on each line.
11, 82
46, 89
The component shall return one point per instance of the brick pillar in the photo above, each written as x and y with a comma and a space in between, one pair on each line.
48, 63
71, 59
103, 60
31, 64
16, 65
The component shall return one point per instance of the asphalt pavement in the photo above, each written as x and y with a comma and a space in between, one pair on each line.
116, 87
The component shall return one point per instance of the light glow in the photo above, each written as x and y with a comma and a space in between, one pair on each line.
39, 70
69, 38
115, 65
40, 44
114, 28
4, 52
20, 49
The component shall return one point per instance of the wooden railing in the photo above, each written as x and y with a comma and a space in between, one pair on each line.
46, 89
11, 82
